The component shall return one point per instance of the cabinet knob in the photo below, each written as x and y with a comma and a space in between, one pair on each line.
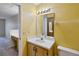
34, 49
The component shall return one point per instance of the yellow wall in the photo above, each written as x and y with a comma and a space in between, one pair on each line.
28, 24
66, 31
39, 25
66, 34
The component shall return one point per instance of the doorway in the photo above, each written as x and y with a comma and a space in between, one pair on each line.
9, 21
50, 26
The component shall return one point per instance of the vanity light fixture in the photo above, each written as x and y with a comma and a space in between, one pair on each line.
45, 11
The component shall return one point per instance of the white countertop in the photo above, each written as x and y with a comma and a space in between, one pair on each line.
14, 33
46, 43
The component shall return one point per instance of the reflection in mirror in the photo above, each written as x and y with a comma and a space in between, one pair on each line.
48, 24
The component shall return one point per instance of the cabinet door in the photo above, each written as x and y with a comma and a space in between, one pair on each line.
34, 50
30, 50
41, 52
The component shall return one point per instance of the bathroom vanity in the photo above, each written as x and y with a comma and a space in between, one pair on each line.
45, 44
14, 34
38, 47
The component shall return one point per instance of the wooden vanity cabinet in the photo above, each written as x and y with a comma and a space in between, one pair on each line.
34, 50
15, 41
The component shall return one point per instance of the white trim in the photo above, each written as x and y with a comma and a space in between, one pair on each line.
45, 25
68, 49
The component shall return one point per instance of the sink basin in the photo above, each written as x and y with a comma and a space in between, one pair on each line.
46, 42
41, 41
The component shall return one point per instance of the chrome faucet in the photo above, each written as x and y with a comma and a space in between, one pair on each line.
42, 36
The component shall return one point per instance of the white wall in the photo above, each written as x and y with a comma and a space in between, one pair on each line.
11, 23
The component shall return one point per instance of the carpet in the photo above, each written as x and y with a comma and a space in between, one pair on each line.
5, 47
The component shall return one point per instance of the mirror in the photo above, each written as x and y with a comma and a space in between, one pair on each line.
46, 24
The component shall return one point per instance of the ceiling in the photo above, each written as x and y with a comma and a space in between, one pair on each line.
7, 10
36, 4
